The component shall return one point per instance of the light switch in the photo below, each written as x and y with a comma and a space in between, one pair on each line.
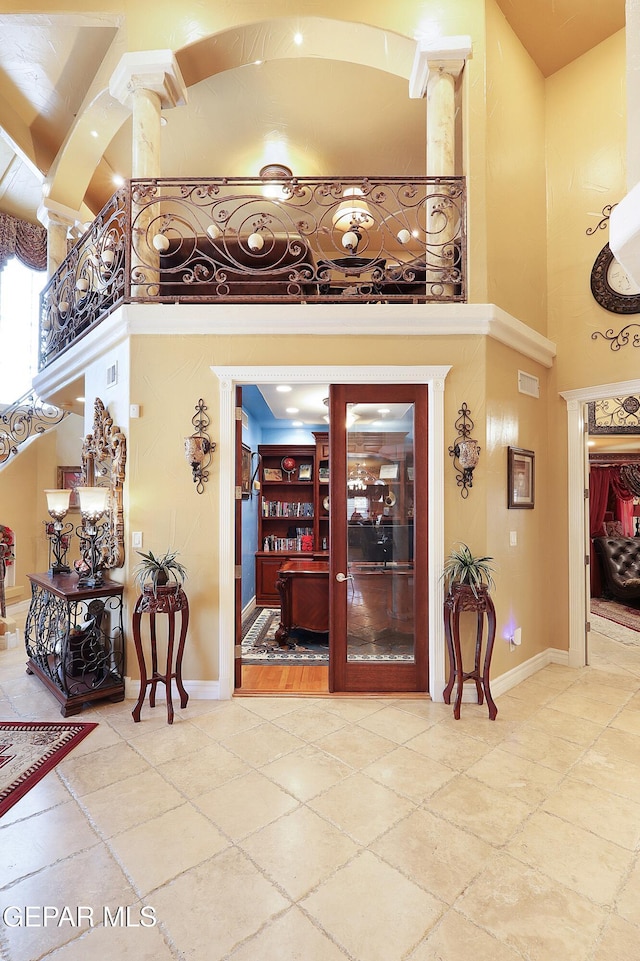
513, 538
136, 539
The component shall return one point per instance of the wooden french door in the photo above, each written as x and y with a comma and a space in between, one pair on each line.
378, 538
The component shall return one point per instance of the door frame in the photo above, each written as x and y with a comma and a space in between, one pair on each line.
231, 376
578, 481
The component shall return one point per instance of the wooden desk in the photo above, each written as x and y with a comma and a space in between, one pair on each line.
303, 586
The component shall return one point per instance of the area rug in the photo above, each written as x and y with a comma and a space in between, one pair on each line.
624, 614
29, 750
259, 645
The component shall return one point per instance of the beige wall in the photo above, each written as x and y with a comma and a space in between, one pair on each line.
515, 170
23, 505
169, 374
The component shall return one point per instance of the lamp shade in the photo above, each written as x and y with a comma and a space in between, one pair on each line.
58, 503
352, 212
93, 500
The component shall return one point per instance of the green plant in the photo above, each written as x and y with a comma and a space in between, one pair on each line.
462, 567
159, 570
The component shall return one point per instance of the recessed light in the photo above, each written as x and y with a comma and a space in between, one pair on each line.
384, 410
94, 134
296, 423
297, 39
292, 410
283, 388
118, 180
80, 400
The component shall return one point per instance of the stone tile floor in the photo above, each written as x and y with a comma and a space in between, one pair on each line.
277, 829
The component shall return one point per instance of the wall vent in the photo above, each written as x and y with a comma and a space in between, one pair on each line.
528, 384
112, 374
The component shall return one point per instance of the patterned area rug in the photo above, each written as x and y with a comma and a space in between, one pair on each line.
28, 751
625, 614
259, 645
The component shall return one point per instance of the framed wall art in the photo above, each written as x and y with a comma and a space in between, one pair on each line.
521, 477
69, 478
246, 471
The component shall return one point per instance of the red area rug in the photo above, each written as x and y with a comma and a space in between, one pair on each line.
29, 750
616, 611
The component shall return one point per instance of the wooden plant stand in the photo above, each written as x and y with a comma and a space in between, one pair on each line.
461, 598
167, 600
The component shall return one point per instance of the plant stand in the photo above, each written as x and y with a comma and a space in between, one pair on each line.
461, 598
167, 600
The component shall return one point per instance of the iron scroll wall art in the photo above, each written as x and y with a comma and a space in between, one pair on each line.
614, 290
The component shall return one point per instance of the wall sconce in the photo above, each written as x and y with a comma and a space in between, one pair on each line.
465, 451
199, 447
59, 534
94, 502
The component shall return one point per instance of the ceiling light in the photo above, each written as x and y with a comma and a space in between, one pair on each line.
94, 133
296, 423
297, 39
292, 410
163, 121
80, 400
283, 388
118, 180
384, 410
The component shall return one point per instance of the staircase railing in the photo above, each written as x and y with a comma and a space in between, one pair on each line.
24, 418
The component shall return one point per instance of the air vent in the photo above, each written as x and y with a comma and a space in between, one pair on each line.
112, 374
528, 384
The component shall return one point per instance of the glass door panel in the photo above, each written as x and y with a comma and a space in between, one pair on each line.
379, 537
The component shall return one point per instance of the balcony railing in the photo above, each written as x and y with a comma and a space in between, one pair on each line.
247, 240
23, 419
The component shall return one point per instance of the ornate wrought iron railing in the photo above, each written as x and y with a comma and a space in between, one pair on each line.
23, 419
243, 240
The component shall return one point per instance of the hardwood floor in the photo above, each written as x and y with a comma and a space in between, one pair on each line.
282, 679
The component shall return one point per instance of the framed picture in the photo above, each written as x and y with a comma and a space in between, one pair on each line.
389, 472
521, 477
304, 472
68, 479
272, 474
246, 471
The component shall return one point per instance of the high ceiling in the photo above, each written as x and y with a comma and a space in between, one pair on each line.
53, 66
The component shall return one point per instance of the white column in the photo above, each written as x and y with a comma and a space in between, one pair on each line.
58, 221
148, 82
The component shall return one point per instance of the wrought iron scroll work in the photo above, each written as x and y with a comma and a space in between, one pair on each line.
623, 338
23, 419
104, 457
464, 451
206, 447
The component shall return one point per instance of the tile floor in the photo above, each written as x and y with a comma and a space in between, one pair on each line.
276, 829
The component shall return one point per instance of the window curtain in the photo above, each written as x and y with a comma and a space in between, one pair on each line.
623, 500
599, 482
26, 241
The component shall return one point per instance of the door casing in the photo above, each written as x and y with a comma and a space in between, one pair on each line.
230, 377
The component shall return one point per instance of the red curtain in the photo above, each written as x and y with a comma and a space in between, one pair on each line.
599, 480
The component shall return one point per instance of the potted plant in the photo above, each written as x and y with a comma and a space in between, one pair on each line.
158, 571
462, 568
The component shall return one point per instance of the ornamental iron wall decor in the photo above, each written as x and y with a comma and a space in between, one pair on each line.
614, 415
465, 451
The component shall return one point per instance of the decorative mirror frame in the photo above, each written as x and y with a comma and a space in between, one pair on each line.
104, 456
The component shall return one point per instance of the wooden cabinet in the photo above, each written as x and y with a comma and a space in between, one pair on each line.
293, 513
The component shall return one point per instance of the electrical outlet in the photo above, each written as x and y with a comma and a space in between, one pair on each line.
517, 636
136, 539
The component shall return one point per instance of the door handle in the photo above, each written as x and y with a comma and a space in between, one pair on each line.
340, 577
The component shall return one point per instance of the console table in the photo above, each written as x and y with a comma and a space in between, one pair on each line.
75, 640
303, 586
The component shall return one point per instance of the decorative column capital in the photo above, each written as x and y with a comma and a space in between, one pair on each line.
445, 54
154, 70
53, 214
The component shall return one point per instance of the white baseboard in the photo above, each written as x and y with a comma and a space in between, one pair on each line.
249, 607
198, 690
504, 683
